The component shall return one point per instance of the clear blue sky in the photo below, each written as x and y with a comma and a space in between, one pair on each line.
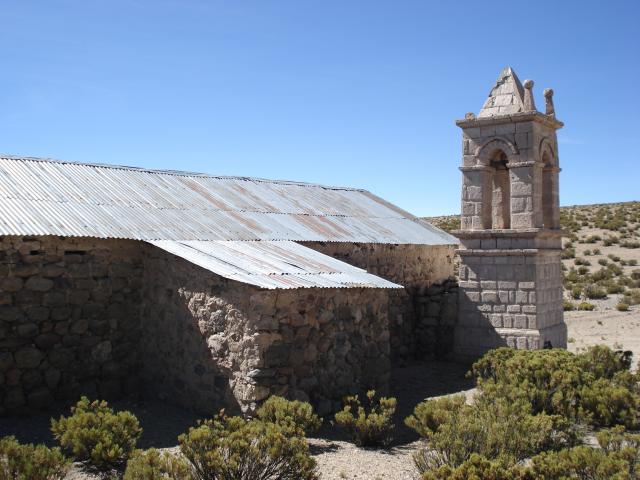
354, 93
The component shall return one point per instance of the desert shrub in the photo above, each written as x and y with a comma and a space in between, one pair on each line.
30, 462
587, 253
567, 306
594, 387
583, 463
576, 292
622, 307
596, 251
614, 269
592, 239
582, 261
370, 425
594, 292
478, 468
608, 241
498, 428
96, 434
603, 261
586, 306
155, 465
633, 262
632, 297
295, 415
583, 270
613, 288
568, 253
613, 258
235, 448
630, 244
635, 275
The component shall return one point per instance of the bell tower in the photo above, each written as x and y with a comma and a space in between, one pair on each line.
510, 269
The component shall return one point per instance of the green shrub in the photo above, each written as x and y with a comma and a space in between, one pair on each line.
498, 428
622, 307
583, 270
586, 306
615, 288
576, 292
370, 425
568, 253
594, 292
155, 465
95, 434
477, 468
567, 306
30, 462
635, 275
581, 462
295, 415
594, 387
238, 449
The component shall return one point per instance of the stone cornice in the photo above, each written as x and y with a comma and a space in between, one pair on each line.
547, 120
508, 233
505, 252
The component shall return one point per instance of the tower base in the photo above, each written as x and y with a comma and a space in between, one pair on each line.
510, 291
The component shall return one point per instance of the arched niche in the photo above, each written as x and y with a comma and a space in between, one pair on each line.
550, 201
500, 191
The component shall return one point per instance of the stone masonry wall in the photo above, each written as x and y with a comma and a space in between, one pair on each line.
68, 319
210, 342
321, 344
421, 317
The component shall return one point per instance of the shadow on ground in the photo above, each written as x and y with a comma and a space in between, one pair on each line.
162, 423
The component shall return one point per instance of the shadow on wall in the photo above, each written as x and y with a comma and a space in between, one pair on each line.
191, 335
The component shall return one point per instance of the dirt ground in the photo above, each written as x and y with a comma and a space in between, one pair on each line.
337, 458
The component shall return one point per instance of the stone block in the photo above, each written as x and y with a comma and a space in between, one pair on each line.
520, 321
490, 296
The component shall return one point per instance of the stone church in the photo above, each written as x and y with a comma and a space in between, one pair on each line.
210, 291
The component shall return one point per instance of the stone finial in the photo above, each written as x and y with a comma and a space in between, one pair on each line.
469, 116
529, 104
548, 100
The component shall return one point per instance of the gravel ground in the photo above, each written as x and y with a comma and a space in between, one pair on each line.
336, 457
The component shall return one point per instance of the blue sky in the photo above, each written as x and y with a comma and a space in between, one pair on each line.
354, 93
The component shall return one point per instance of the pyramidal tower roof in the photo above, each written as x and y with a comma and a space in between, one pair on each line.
506, 97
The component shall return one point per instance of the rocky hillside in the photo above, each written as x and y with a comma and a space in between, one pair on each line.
601, 254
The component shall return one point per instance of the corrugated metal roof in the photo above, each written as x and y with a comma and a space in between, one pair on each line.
50, 197
273, 265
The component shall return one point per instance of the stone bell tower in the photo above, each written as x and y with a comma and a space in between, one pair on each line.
510, 270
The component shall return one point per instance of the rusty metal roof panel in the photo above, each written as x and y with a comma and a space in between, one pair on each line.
273, 264
50, 197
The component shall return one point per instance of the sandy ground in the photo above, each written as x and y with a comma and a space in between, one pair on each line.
619, 330
337, 458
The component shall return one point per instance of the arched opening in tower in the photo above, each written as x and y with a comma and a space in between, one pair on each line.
548, 198
501, 192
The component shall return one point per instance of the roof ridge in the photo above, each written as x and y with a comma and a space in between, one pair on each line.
179, 173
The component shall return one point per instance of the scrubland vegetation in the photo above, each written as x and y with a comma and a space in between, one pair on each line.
529, 420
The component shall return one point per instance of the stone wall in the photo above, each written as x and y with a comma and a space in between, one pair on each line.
210, 342
68, 319
105, 317
422, 317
